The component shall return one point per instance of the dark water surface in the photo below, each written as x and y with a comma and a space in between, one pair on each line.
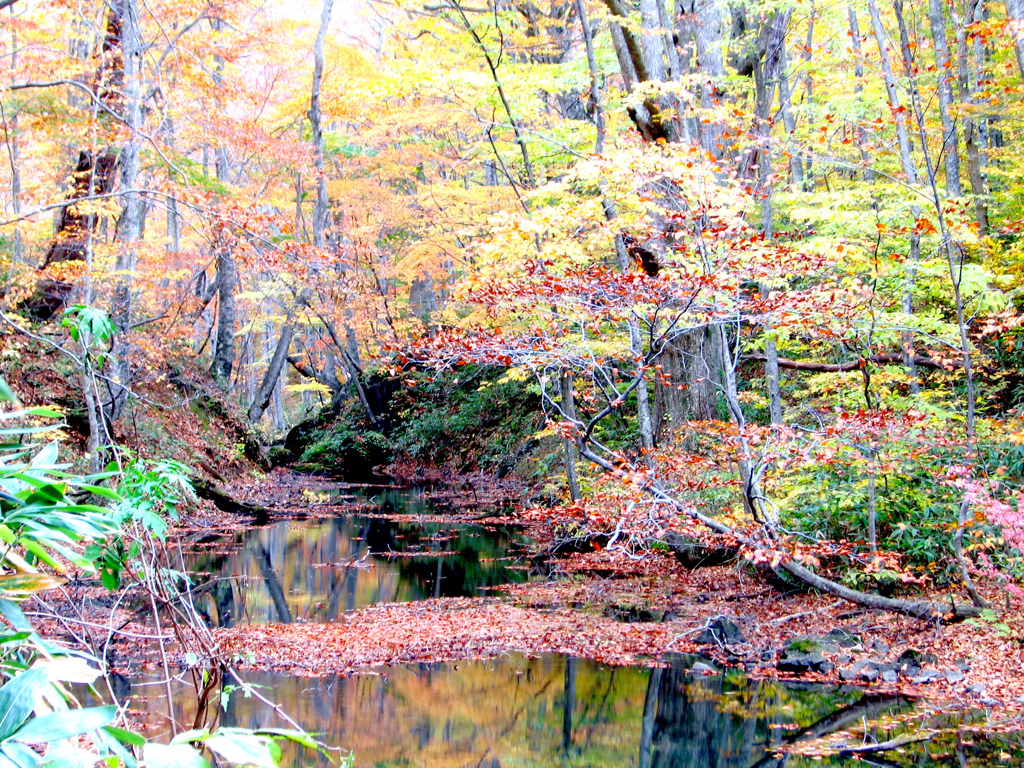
314, 570
560, 711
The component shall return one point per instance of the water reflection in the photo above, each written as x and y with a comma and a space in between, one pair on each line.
558, 711
313, 570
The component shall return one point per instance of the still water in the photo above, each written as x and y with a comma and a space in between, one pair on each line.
314, 570
566, 712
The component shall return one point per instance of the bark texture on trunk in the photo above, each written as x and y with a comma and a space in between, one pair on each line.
966, 89
943, 66
320, 211
224, 349
133, 211
1015, 13
269, 385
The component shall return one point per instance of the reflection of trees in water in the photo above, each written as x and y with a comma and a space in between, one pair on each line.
690, 729
268, 576
728, 722
558, 711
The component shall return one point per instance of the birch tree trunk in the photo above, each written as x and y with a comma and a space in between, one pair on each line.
267, 387
966, 87
943, 66
911, 177
1015, 13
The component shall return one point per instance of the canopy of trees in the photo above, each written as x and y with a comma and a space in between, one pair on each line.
760, 262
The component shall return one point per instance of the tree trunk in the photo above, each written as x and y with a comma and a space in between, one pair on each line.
130, 224
11, 130
910, 174
768, 73
796, 165
568, 406
227, 278
271, 378
966, 90
320, 211
687, 389
858, 88
943, 66
892, 90
653, 40
596, 96
224, 351
1015, 13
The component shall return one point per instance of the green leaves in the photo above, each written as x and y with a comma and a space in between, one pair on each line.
88, 325
64, 725
173, 756
18, 698
234, 746
6, 395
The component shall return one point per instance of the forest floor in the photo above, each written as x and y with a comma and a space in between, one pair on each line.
617, 610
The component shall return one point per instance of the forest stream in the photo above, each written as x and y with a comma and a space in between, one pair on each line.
546, 710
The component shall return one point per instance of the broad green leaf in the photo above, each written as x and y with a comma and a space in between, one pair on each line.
6, 394
36, 549
46, 458
243, 747
172, 756
66, 756
17, 756
99, 490
299, 737
68, 669
64, 725
14, 615
125, 737
28, 583
27, 430
187, 737
18, 698
113, 740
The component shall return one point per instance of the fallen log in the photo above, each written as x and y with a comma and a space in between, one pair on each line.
209, 491
855, 365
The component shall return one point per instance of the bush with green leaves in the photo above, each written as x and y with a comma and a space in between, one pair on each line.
475, 418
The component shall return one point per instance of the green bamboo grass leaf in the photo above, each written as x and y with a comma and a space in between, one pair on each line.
28, 584
18, 699
125, 737
242, 747
113, 739
66, 756
64, 725
17, 755
99, 490
172, 756
299, 737
14, 616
